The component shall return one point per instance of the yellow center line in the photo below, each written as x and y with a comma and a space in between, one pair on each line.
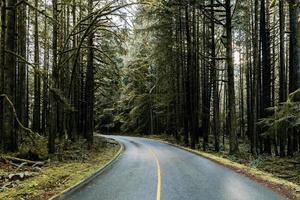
158, 191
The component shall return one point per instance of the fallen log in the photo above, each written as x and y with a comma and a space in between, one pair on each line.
20, 166
20, 160
21, 175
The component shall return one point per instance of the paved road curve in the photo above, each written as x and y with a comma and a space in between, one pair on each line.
149, 170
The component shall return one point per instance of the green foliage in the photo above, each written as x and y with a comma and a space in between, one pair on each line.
38, 149
256, 162
147, 90
285, 115
109, 64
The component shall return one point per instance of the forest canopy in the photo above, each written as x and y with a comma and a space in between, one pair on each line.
211, 73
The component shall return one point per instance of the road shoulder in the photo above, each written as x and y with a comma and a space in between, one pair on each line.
283, 187
90, 177
63, 177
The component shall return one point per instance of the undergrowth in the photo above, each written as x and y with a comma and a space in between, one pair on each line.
72, 163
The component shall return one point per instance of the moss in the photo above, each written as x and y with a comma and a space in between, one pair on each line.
38, 149
58, 176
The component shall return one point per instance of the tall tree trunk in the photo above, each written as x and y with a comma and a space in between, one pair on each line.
27, 70
191, 79
216, 106
21, 94
45, 103
75, 92
254, 99
266, 70
55, 85
242, 127
10, 78
184, 77
89, 85
188, 67
282, 74
2, 68
294, 65
294, 9
233, 140
36, 120
206, 94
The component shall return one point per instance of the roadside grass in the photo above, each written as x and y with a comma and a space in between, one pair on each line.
64, 170
280, 174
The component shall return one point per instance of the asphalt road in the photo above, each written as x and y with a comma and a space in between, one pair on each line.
149, 170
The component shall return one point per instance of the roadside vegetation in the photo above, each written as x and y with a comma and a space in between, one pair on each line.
279, 174
40, 180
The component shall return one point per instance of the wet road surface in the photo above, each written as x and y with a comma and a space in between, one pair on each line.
150, 170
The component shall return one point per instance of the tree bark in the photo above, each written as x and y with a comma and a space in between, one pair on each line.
233, 140
10, 78
55, 77
89, 85
254, 99
206, 90
2, 68
22, 34
282, 74
36, 119
45, 102
214, 78
266, 70
294, 64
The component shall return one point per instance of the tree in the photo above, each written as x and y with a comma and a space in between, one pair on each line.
282, 73
55, 78
2, 70
216, 100
89, 86
233, 141
9, 130
36, 126
21, 80
256, 71
266, 69
294, 62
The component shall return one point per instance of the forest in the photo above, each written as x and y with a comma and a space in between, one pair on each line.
215, 75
